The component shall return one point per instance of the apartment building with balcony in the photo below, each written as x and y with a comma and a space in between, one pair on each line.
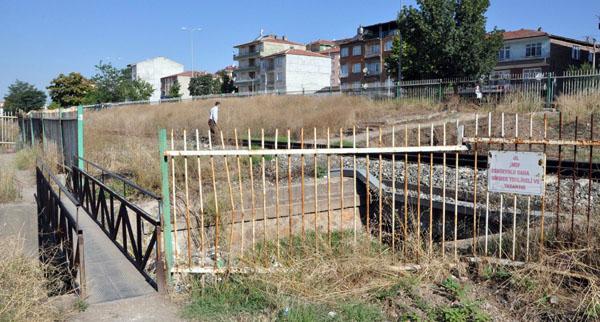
295, 71
362, 57
249, 57
530, 52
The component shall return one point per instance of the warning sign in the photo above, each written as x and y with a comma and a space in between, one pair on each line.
516, 172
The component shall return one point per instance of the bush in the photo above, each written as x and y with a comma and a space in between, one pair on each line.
9, 187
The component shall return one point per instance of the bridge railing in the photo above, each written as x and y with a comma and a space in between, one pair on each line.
60, 238
135, 232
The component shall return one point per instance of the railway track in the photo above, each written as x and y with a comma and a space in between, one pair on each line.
553, 166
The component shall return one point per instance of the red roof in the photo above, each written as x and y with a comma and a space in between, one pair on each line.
523, 33
270, 39
298, 52
188, 74
323, 42
330, 50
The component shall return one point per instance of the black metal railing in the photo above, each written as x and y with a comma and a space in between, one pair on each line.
133, 230
60, 240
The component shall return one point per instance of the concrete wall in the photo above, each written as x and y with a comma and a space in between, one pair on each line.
152, 70
307, 73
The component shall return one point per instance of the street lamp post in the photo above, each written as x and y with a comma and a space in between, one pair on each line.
400, 56
191, 31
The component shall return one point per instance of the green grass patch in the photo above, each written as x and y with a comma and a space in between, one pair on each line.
222, 300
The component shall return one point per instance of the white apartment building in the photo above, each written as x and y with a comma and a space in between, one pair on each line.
295, 71
249, 57
184, 83
152, 70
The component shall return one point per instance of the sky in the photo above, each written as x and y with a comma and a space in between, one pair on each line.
43, 38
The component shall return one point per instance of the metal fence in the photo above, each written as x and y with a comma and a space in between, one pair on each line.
9, 131
223, 207
539, 88
54, 131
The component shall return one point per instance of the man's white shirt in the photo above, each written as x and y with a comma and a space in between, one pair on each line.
214, 113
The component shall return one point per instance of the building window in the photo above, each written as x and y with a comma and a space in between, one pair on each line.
388, 45
356, 50
504, 53
278, 61
344, 52
576, 52
356, 68
344, 70
373, 49
531, 73
279, 77
590, 57
533, 50
373, 68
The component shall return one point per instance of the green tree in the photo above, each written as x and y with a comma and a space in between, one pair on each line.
174, 90
69, 90
204, 85
117, 85
445, 38
23, 96
227, 85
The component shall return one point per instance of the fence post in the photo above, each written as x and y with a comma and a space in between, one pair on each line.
80, 151
166, 202
31, 130
549, 91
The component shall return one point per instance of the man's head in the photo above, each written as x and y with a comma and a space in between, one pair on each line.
217, 103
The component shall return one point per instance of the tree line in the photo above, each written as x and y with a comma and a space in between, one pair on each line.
109, 85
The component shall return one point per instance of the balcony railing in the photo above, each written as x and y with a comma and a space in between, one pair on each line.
247, 68
246, 55
246, 80
370, 54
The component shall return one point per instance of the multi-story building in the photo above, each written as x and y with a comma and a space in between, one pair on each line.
184, 81
362, 57
152, 70
295, 70
531, 52
249, 56
331, 49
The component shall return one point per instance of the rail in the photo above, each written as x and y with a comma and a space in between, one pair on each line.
59, 236
134, 231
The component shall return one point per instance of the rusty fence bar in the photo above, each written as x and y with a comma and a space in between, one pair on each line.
412, 209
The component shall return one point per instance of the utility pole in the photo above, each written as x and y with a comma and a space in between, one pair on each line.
191, 31
399, 55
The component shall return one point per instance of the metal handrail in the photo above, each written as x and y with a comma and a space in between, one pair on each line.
62, 188
119, 177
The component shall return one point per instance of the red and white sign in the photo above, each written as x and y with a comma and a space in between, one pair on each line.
516, 172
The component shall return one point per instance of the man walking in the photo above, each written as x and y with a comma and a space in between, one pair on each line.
212, 122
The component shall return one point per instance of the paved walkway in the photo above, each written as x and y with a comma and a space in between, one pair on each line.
109, 275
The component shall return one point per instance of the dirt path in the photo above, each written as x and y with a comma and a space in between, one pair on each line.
18, 219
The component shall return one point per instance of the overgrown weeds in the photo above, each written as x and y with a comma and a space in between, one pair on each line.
578, 105
24, 287
10, 188
25, 158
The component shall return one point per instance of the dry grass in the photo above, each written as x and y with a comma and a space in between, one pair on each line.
10, 188
579, 105
519, 103
23, 287
124, 139
268, 112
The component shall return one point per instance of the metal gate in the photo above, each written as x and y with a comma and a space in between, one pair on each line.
9, 131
